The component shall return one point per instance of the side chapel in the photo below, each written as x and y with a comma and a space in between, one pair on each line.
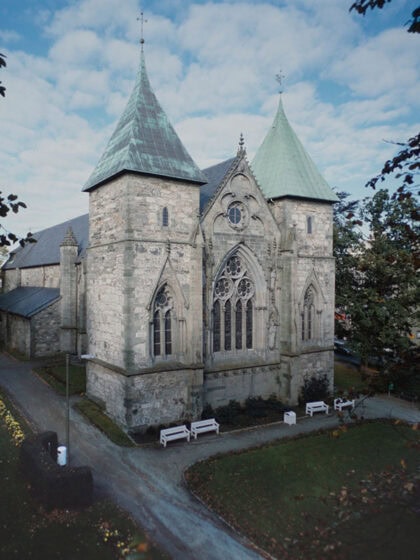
185, 287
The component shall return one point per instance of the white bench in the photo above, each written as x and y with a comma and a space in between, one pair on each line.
339, 404
171, 434
201, 426
318, 406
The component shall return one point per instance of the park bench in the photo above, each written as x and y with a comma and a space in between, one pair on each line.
317, 406
171, 434
202, 426
339, 404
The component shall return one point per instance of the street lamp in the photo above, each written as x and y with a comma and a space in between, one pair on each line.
84, 357
67, 409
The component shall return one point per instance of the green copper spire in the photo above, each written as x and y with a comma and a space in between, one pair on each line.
144, 141
282, 166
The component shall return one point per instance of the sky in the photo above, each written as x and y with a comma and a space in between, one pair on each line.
351, 86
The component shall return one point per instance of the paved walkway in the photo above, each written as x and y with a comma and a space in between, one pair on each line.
148, 481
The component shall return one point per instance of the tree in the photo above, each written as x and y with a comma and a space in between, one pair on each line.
347, 238
384, 301
362, 6
2, 64
405, 166
10, 202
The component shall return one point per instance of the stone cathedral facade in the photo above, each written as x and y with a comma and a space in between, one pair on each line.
186, 287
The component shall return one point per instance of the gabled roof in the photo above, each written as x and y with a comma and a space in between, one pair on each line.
28, 301
214, 174
144, 141
47, 249
282, 166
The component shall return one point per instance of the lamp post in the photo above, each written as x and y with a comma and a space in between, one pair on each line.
67, 409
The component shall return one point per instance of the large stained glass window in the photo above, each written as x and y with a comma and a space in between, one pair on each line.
233, 304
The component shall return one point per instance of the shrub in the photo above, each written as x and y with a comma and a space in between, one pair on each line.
315, 388
229, 413
256, 407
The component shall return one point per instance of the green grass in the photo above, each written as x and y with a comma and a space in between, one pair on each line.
27, 531
55, 375
284, 494
96, 415
347, 378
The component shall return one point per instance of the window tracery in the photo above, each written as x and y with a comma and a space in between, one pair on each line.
233, 307
163, 323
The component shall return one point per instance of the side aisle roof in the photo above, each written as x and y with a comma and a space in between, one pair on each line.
47, 249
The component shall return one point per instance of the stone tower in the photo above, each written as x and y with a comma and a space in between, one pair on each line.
302, 205
144, 283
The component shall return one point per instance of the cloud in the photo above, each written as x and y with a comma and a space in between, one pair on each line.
212, 66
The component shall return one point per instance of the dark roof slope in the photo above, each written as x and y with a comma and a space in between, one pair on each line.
28, 301
47, 249
215, 175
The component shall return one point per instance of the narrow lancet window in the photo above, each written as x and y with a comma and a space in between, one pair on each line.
163, 323
165, 217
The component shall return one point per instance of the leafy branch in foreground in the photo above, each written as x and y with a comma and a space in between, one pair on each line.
11, 203
362, 6
405, 165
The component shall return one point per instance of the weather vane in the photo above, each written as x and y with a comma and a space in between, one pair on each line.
142, 22
280, 79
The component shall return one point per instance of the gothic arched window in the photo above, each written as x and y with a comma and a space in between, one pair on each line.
233, 304
163, 323
308, 314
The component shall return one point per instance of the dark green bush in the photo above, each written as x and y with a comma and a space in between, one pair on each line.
315, 388
255, 407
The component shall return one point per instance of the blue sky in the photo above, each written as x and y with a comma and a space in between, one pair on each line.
350, 83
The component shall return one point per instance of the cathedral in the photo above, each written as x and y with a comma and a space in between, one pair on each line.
184, 287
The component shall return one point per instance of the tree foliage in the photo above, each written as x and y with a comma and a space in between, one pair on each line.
405, 167
377, 275
2, 64
362, 6
347, 239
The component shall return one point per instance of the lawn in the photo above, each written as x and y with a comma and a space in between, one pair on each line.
348, 378
27, 531
55, 375
301, 498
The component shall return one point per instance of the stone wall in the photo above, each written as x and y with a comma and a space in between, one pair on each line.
147, 399
16, 333
131, 255
46, 331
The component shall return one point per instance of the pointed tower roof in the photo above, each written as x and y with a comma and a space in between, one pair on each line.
282, 166
144, 141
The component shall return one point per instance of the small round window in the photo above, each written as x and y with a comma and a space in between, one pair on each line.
235, 214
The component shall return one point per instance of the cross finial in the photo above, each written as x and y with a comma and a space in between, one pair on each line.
280, 79
142, 22
241, 148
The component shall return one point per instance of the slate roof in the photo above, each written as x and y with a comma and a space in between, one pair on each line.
282, 166
144, 141
214, 175
47, 249
28, 301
